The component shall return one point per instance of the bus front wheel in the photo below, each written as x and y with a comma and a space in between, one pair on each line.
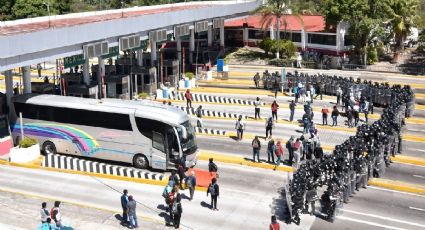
49, 148
140, 161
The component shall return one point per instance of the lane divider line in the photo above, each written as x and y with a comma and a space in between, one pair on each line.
398, 186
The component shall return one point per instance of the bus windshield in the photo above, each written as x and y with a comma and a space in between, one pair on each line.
188, 144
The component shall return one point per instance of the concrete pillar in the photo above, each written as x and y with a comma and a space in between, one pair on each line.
179, 52
210, 36
191, 45
139, 54
100, 76
245, 36
26, 73
86, 72
153, 53
303, 39
272, 33
222, 37
9, 86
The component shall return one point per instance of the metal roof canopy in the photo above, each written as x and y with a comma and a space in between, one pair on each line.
23, 49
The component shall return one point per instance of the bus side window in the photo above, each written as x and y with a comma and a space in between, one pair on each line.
158, 141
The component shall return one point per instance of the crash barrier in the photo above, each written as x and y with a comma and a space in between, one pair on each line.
413, 70
352, 163
211, 113
210, 131
77, 164
212, 99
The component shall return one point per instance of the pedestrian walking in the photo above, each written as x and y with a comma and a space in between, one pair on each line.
269, 127
177, 211
214, 190
297, 152
270, 151
292, 106
275, 108
312, 93
256, 146
189, 98
257, 105
296, 93
276, 87
182, 175
290, 147
55, 214
198, 113
171, 199
274, 225
279, 153
212, 167
240, 127
356, 115
306, 122
366, 111
257, 80
131, 210
191, 184
124, 201
325, 112
44, 213
335, 114
173, 178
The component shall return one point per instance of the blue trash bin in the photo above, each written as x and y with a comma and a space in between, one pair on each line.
165, 93
186, 83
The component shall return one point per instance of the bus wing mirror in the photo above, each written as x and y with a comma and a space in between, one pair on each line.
184, 132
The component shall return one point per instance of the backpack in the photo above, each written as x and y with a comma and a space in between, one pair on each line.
211, 188
270, 122
255, 144
288, 145
175, 209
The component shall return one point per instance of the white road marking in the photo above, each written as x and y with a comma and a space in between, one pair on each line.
403, 163
395, 191
370, 223
419, 209
419, 176
419, 150
385, 218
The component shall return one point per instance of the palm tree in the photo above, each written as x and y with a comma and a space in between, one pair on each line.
403, 13
273, 10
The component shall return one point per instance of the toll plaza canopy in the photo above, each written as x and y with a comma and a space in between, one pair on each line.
28, 41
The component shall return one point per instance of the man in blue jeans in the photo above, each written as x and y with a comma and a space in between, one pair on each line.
131, 210
256, 146
124, 201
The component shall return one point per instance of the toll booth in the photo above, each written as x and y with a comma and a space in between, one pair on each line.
118, 86
6, 141
72, 85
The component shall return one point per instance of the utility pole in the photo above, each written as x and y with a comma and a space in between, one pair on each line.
48, 10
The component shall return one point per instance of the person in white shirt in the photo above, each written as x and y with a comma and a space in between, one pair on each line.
44, 213
257, 105
240, 127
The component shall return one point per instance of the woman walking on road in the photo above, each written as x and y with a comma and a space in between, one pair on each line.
275, 108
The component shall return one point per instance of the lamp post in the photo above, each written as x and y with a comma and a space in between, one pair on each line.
48, 10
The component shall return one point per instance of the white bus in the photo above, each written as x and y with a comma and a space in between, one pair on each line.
142, 133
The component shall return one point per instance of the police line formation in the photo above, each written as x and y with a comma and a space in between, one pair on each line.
359, 158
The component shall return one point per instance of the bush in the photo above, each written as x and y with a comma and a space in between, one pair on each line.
287, 48
281, 62
143, 95
189, 75
27, 142
372, 55
267, 45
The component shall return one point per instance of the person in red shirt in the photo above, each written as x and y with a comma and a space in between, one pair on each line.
279, 153
274, 225
189, 99
325, 112
275, 108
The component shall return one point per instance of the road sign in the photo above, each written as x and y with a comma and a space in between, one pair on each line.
72, 61
113, 52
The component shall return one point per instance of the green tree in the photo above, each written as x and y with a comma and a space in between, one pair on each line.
267, 44
274, 11
402, 16
368, 17
62, 6
29, 9
6, 9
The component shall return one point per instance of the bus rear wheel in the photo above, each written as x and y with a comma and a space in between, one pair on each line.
48, 148
140, 161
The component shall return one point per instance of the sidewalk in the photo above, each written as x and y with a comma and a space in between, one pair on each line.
23, 212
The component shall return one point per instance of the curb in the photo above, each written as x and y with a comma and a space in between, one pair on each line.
212, 99
397, 185
408, 160
211, 113
214, 132
232, 159
83, 165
